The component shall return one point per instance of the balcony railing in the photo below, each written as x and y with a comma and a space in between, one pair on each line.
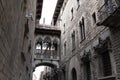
106, 10
109, 15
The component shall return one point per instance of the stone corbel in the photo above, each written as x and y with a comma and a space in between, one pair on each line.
86, 56
103, 44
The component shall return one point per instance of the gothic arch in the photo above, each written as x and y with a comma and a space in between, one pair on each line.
47, 39
74, 64
74, 74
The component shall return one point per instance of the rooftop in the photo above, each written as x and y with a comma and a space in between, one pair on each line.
47, 29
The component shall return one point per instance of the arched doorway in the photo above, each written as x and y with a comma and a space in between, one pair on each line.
47, 71
74, 74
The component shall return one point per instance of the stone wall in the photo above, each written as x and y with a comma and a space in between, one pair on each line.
16, 35
92, 32
115, 32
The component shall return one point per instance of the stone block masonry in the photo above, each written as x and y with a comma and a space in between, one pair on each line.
15, 59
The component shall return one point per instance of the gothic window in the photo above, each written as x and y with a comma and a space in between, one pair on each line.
24, 5
106, 63
65, 49
23, 59
64, 28
74, 74
87, 68
88, 71
73, 40
106, 2
82, 29
78, 4
47, 43
26, 31
104, 59
78, 1
39, 45
72, 14
94, 17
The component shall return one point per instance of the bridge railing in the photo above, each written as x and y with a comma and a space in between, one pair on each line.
46, 54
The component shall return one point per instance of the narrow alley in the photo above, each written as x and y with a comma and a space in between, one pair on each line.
59, 40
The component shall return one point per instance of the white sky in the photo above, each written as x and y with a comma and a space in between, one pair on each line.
47, 13
37, 72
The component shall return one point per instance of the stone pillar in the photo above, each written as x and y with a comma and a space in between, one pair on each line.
42, 50
51, 51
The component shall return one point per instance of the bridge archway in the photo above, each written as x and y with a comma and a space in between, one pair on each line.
46, 64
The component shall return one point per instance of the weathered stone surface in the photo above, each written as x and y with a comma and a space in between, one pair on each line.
12, 39
92, 33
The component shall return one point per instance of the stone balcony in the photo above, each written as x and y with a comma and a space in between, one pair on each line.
109, 15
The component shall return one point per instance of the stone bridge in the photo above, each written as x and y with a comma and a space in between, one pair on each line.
47, 46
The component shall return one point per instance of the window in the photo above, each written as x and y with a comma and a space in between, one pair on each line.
78, 4
106, 63
65, 49
24, 3
26, 31
106, 2
64, 28
94, 17
74, 74
23, 59
73, 40
82, 29
87, 68
71, 14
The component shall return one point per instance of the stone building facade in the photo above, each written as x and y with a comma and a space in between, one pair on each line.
89, 39
17, 24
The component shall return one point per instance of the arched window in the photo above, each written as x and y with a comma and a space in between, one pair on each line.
74, 74
47, 43
38, 45
55, 45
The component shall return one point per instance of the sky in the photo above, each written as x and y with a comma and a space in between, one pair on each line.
47, 13
38, 70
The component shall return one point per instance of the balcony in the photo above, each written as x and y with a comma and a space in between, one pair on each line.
109, 15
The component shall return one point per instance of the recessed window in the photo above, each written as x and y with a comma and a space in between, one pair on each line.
73, 40
78, 4
65, 48
26, 31
23, 57
64, 28
72, 14
94, 17
106, 2
87, 68
106, 63
82, 29
74, 74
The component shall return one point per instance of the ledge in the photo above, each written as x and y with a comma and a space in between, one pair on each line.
111, 77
